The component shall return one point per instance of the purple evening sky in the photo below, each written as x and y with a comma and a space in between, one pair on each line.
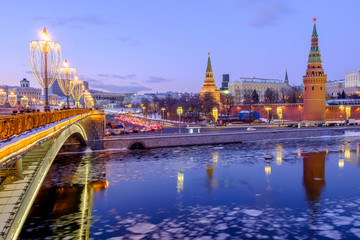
162, 45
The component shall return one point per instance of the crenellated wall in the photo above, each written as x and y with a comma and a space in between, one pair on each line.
295, 112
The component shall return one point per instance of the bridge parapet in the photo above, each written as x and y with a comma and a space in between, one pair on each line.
14, 125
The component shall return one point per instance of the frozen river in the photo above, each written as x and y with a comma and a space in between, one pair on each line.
289, 189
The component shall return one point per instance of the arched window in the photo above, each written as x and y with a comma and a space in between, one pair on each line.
313, 88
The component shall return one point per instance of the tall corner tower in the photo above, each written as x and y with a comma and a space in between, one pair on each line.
209, 81
314, 84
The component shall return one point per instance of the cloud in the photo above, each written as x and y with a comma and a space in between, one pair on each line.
130, 76
75, 20
120, 89
157, 80
29, 72
129, 41
103, 83
268, 14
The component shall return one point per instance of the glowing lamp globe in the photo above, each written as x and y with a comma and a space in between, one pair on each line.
12, 98
66, 80
24, 101
2, 97
77, 91
44, 58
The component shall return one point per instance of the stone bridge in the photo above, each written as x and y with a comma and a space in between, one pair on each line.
31, 145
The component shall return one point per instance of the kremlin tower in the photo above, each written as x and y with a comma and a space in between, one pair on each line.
209, 84
314, 84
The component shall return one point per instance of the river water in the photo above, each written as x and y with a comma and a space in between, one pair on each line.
287, 189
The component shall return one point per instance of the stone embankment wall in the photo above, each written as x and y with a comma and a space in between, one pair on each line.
218, 138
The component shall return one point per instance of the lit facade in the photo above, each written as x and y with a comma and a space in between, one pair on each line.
26, 90
239, 87
335, 87
352, 79
314, 84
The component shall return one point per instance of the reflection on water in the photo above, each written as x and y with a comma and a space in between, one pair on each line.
214, 192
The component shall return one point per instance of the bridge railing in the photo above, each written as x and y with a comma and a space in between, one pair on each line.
14, 125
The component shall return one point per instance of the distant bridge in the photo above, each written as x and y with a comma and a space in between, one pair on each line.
30, 143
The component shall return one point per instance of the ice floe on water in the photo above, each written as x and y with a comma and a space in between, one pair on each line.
237, 222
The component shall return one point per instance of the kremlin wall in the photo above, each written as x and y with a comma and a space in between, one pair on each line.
295, 112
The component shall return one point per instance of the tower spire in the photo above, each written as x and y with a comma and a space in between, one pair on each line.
314, 34
209, 68
315, 54
286, 77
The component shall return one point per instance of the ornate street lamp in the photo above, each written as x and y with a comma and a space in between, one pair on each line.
88, 100
45, 63
267, 108
77, 91
347, 112
66, 80
2, 97
33, 101
215, 114
179, 112
24, 102
12, 98
163, 111
341, 113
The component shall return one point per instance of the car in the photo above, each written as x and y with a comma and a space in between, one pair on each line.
117, 129
331, 124
251, 129
107, 131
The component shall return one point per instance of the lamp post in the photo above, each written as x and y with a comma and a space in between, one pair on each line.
33, 102
215, 115
279, 113
347, 112
2, 97
66, 80
24, 102
341, 113
45, 63
267, 113
78, 91
87, 99
163, 111
179, 112
143, 108
12, 98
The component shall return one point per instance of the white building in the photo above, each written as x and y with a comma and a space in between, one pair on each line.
242, 85
352, 79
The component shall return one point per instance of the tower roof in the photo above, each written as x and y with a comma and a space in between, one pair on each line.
315, 54
286, 76
314, 30
209, 68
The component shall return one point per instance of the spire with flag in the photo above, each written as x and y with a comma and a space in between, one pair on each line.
208, 68
315, 54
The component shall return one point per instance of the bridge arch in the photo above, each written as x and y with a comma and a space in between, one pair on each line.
137, 145
50, 150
